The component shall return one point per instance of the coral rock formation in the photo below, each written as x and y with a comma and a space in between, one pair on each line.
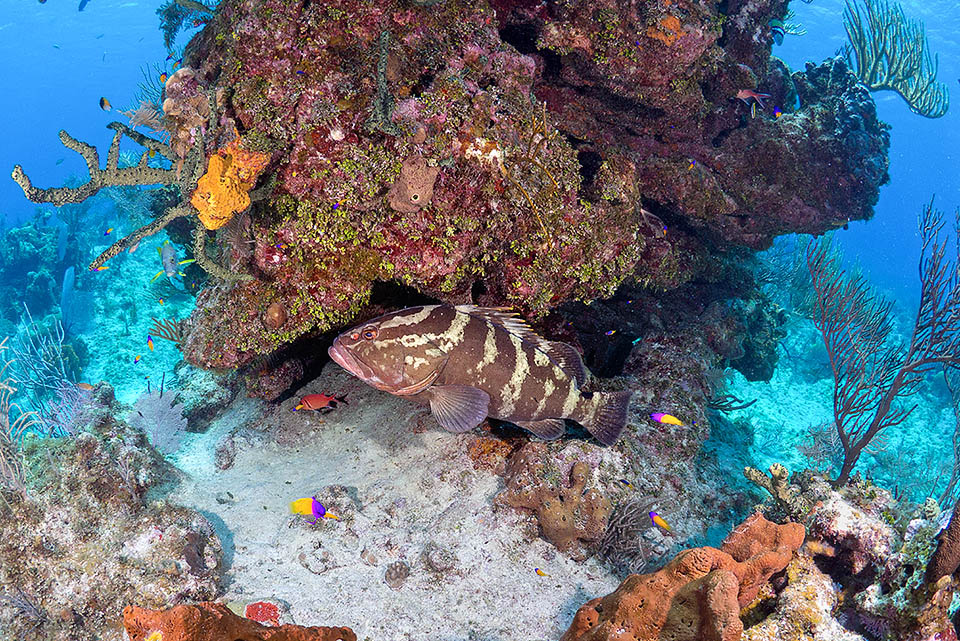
568, 516
215, 622
695, 597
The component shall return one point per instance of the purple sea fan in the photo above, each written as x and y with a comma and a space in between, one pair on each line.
161, 418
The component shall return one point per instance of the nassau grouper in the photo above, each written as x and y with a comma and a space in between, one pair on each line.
469, 362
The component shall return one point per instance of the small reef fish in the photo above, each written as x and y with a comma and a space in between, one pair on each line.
105, 104
467, 363
160, 300
59, 161
626, 483
777, 112
778, 31
540, 572
177, 63
171, 266
103, 268
108, 232
163, 80
750, 97
693, 163
86, 387
659, 522
83, 3
311, 507
610, 332
169, 56
136, 359
666, 419
150, 342
320, 402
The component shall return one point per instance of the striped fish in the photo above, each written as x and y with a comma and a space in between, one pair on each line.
468, 363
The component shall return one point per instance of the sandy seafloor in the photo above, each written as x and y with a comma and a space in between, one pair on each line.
411, 487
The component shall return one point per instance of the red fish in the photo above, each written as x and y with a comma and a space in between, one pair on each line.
322, 402
750, 97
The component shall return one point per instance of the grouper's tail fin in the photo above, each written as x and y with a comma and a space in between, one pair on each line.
605, 415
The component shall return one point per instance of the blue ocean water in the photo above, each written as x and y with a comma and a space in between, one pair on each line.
924, 153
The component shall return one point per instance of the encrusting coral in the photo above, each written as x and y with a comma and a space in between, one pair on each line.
569, 516
209, 621
698, 595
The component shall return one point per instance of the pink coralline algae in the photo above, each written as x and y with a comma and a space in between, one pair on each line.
502, 150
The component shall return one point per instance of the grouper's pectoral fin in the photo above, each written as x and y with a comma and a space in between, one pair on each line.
458, 408
547, 429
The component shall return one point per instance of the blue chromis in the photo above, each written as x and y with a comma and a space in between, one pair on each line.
540, 572
659, 522
311, 507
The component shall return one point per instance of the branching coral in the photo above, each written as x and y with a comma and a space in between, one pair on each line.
871, 373
892, 54
568, 516
778, 484
225, 190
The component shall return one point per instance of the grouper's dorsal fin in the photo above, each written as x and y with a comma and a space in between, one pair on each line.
566, 357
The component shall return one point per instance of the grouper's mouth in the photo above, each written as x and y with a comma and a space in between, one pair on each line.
342, 357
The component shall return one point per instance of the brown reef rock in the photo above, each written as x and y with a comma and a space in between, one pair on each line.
210, 621
698, 595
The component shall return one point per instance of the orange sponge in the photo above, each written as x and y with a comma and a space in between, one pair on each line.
224, 190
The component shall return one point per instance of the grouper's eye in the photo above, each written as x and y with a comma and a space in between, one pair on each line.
370, 333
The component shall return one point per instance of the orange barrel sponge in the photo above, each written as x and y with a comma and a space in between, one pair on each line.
209, 621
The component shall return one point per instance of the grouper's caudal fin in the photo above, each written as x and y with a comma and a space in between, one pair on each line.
604, 415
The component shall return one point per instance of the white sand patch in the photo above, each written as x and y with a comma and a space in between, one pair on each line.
411, 491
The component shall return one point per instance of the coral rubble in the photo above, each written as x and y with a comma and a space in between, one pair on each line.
83, 538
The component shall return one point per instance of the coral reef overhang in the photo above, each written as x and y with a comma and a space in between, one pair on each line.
543, 152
